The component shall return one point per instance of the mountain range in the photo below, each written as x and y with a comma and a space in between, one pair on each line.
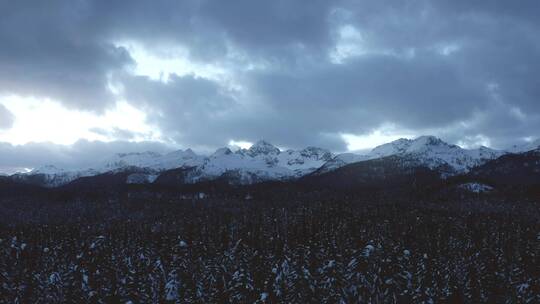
265, 162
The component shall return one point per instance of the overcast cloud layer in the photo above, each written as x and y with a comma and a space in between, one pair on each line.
82, 154
296, 73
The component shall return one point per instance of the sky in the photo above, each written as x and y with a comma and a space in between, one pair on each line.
82, 79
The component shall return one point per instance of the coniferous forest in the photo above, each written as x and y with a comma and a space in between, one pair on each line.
332, 250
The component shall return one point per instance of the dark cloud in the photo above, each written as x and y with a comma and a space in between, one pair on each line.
426, 66
6, 118
50, 50
466, 69
269, 30
423, 91
201, 113
191, 110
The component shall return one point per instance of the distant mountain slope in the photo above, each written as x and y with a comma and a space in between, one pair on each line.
261, 162
433, 152
342, 160
390, 173
9, 187
265, 162
522, 169
429, 151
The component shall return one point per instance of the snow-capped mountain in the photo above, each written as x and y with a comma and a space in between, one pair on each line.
264, 161
262, 148
52, 176
434, 153
428, 151
152, 162
399, 146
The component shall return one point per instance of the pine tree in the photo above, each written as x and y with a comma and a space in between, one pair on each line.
284, 281
172, 288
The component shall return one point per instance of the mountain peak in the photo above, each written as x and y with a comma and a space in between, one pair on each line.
395, 147
317, 152
262, 143
222, 152
424, 142
265, 161
263, 147
428, 140
182, 153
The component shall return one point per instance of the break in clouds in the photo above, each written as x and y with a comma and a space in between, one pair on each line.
6, 118
296, 73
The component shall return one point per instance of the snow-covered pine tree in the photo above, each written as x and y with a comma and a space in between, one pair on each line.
284, 281
172, 288
332, 283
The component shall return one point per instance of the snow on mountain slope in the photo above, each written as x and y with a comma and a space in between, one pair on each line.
177, 159
476, 187
434, 153
341, 160
244, 165
392, 148
52, 176
262, 148
429, 151
152, 160
304, 161
262, 161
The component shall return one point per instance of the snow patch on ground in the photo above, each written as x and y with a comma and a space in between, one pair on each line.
476, 187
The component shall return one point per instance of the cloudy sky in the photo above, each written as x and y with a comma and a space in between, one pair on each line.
80, 79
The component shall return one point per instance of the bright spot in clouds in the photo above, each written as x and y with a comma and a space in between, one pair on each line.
378, 137
44, 120
473, 142
240, 144
448, 49
350, 44
160, 64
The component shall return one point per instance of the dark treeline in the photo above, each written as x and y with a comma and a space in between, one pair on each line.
146, 250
